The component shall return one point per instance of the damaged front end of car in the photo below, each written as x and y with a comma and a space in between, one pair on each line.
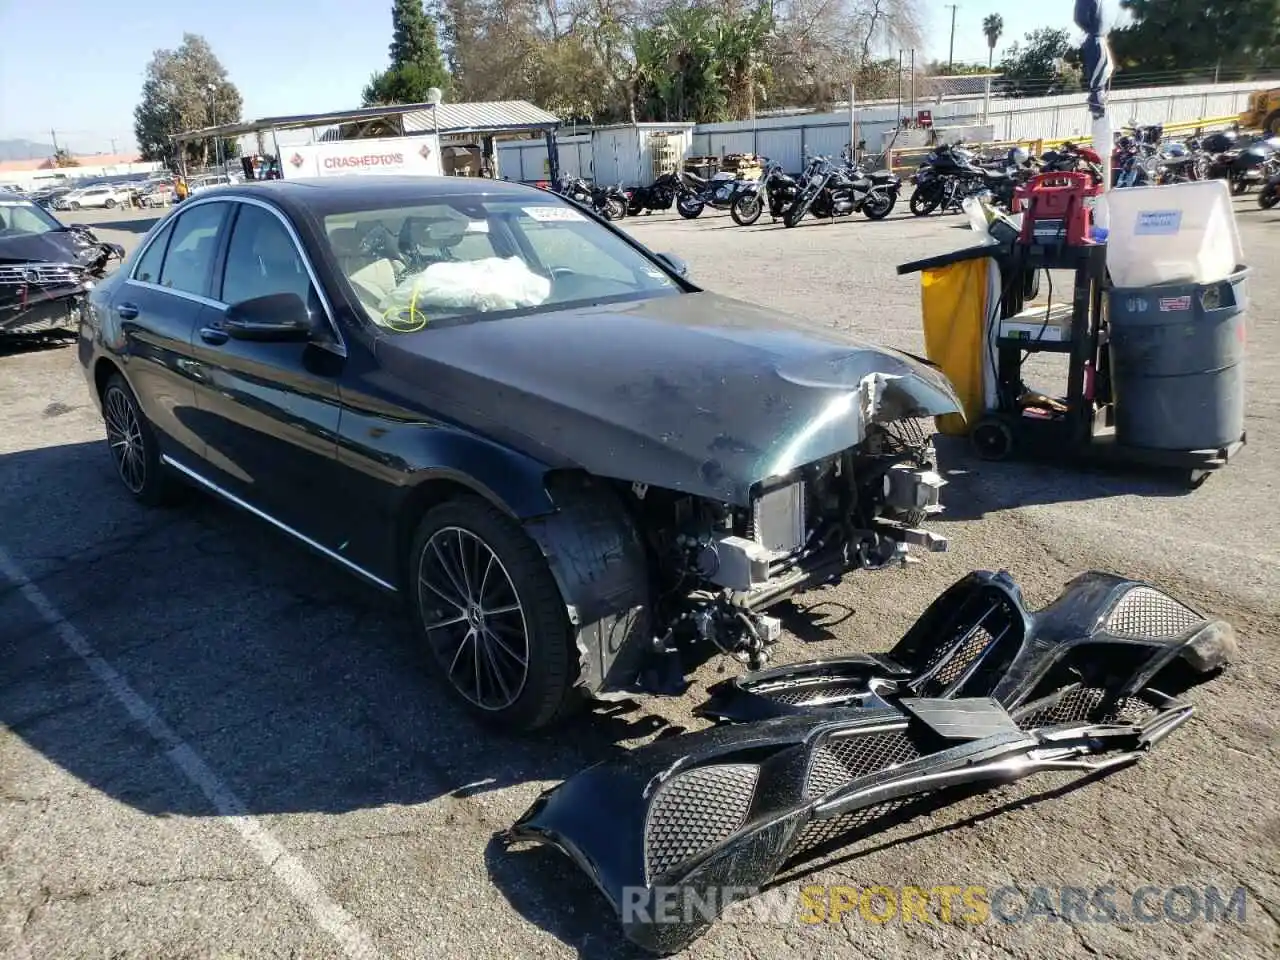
45, 278
980, 691
654, 575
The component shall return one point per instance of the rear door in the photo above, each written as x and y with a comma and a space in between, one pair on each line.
269, 412
158, 308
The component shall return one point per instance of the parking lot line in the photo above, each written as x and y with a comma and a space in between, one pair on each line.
304, 887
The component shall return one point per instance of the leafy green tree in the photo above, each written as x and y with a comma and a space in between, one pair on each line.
184, 89
1044, 65
702, 63
1177, 35
416, 62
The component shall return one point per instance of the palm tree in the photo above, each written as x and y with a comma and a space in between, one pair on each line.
992, 26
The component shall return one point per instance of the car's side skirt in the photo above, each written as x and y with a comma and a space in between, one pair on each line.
209, 485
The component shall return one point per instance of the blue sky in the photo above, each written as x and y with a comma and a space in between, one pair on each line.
287, 56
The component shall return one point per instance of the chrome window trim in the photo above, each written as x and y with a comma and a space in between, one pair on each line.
278, 524
339, 346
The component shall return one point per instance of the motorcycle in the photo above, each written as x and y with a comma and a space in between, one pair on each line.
774, 191
950, 175
1269, 195
1253, 164
1072, 158
838, 190
659, 195
609, 202
719, 193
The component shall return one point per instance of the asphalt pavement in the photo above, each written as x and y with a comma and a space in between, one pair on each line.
213, 744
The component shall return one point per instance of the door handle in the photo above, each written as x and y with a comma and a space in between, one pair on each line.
213, 336
127, 311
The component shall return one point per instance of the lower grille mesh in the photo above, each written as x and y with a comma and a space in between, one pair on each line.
1146, 612
801, 695
695, 811
1088, 705
838, 761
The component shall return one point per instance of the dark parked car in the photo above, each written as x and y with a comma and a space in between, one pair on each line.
46, 269
579, 468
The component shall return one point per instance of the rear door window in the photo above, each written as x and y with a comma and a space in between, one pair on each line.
188, 264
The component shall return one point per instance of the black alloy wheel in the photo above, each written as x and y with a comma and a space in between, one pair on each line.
134, 450
491, 615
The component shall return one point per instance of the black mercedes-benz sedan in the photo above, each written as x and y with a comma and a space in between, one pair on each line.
580, 470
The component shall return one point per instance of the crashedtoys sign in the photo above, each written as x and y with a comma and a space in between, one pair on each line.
391, 155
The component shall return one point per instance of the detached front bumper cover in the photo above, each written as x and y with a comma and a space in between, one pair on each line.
979, 691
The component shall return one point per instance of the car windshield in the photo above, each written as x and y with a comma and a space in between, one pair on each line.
466, 257
23, 218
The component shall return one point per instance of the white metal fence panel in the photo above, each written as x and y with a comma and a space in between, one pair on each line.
787, 139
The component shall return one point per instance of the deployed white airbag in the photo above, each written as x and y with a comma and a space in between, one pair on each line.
494, 283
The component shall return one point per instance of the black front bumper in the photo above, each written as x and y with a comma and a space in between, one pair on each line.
39, 310
980, 691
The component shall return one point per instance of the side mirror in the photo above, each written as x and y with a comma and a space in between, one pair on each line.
277, 317
674, 263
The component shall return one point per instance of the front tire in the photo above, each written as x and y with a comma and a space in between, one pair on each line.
491, 616
924, 202
75, 204
133, 445
1269, 196
746, 209
614, 209
109, 204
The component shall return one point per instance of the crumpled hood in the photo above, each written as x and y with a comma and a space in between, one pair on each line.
694, 392
59, 247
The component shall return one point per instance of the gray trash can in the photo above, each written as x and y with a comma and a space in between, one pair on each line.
1177, 363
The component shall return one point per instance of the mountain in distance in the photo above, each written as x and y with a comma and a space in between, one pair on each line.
24, 150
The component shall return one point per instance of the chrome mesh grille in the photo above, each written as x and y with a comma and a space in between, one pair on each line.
801, 695
819, 832
695, 811
1145, 612
839, 760
1088, 705
954, 669
39, 274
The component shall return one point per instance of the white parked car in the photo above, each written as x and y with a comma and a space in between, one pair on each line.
101, 195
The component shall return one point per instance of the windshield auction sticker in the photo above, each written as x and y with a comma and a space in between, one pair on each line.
551, 214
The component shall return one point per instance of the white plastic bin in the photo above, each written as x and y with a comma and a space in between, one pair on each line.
1178, 233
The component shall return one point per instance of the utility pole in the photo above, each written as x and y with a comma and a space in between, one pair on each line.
53, 134
951, 53
113, 146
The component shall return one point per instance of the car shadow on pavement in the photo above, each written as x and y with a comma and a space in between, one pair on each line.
300, 687
14, 345
977, 487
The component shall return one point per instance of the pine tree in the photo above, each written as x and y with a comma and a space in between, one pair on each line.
416, 62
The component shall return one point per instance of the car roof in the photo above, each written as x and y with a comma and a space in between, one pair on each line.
322, 195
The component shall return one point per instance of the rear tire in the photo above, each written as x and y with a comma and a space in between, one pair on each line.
109, 203
135, 452
614, 209
689, 207
483, 600
881, 208
1269, 196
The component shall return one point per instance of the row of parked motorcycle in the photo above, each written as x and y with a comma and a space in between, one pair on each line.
949, 175
826, 188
